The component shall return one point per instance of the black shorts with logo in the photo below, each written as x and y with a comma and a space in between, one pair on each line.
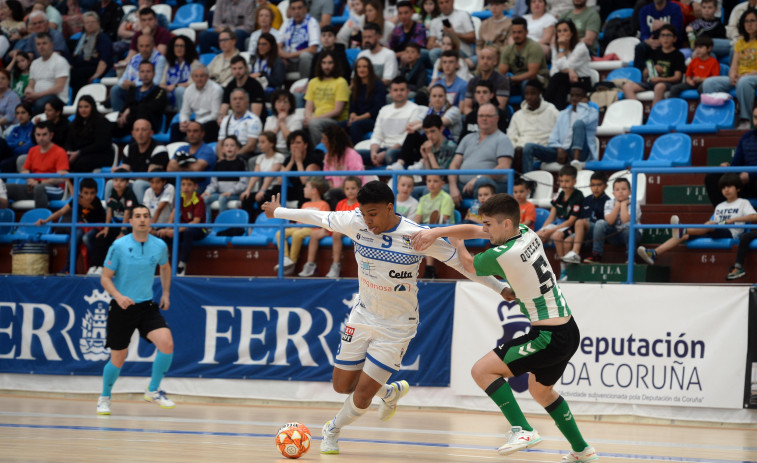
545, 351
144, 317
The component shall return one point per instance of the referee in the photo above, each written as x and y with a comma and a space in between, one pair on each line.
128, 276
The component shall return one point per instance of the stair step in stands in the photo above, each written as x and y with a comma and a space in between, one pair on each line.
605, 273
684, 194
655, 235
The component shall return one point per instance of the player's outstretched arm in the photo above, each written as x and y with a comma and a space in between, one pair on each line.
465, 258
425, 238
274, 209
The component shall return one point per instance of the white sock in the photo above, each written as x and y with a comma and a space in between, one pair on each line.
563, 266
387, 392
347, 415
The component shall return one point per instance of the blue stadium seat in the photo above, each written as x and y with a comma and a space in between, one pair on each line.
206, 58
165, 136
710, 119
620, 152
260, 236
631, 73
458, 217
670, 150
753, 244
343, 18
665, 115
541, 217
235, 216
352, 55
710, 243
6, 231
26, 229
693, 94
622, 13
188, 14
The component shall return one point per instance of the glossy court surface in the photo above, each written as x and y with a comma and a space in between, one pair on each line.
43, 429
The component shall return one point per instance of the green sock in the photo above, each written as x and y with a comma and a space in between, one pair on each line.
560, 412
502, 395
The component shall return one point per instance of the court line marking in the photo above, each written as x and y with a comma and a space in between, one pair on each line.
357, 440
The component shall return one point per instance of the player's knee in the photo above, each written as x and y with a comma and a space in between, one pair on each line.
361, 399
167, 346
478, 371
343, 387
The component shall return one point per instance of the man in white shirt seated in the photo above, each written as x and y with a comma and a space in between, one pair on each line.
300, 34
203, 98
383, 59
48, 75
242, 123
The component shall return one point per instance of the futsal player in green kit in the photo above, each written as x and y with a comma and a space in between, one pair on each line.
128, 276
519, 257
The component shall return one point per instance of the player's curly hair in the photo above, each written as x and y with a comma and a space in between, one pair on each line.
375, 192
501, 206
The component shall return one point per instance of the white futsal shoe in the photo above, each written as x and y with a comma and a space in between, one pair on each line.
587, 454
330, 440
518, 439
103, 405
159, 397
387, 408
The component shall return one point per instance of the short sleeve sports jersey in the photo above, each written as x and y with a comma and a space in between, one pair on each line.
571, 206
387, 264
738, 208
134, 265
521, 260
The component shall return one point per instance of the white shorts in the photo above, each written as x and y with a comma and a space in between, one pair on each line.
383, 347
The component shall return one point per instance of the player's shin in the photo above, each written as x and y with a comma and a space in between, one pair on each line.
110, 375
160, 367
348, 414
560, 412
502, 395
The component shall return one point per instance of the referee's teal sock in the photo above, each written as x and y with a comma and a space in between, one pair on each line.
110, 375
159, 369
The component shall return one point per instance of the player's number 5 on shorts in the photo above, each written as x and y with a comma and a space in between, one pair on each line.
545, 275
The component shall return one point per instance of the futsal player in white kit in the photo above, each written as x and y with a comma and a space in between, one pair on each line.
385, 316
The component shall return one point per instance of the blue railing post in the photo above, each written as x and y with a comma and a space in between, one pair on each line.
74, 216
175, 227
282, 234
632, 226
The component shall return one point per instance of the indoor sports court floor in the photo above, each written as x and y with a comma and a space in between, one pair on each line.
41, 429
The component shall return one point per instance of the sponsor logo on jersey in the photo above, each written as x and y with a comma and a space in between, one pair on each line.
372, 285
348, 332
367, 239
402, 287
401, 275
368, 267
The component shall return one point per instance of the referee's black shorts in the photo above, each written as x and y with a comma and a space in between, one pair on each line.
144, 317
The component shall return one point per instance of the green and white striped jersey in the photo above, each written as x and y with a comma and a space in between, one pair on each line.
522, 262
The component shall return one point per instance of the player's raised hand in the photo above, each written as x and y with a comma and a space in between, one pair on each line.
269, 206
423, 239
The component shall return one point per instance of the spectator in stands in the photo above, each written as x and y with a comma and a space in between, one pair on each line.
495, 31
53, 112
48, 75
614, 227
225, 189
146, 101
560, 7
533, 123
708, 25
484, 192
566, 208
192, 212
592, 210
521, 192
299, 38
148, 23
390, 130
328, 43
434, 207
407, 31
351, 187
368, 96
668, 65
242, 123
315, 188
284, 120
702, 66
451, 126
235, 15
220, 66
453, 85
131, 77
142, 154
93, 54
487, 64
277, 18
241, 79
651, 19
745, 240
110, 15
203, 99
12, 24
301, 159
384, 60
412, 69
482, 95
437, 151
374, 13
429, 11
587, 24
406, 205
131, 24
45, 158
350, 34
267, 68
8, 100
524, 58
340, 155
264, 23
573, 138
159, 199
17, 139
733, 210
195, 156
327, 96
488, 149
322, 11
732, 28
38, 24
19, 69
451, 21
260, 189
743, 68
120, 202
745, 155
570, 65
541, 25
450, 42
180, 57
89, 139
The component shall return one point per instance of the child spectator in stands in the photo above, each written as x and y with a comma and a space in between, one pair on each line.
614, 228
450, 80
412, 69
733, 210
566, 208
484, 192
192, 211
225, 189
368, 96
268, 161
592, 210
90, 210
434, 208
406, 205
351, 185
451, 43
19, 69
18, 139
429, 10
737, 269
159, 198
521, 192
702, 66
315, 188
435, 152
707, 25
119, 206
666, 64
